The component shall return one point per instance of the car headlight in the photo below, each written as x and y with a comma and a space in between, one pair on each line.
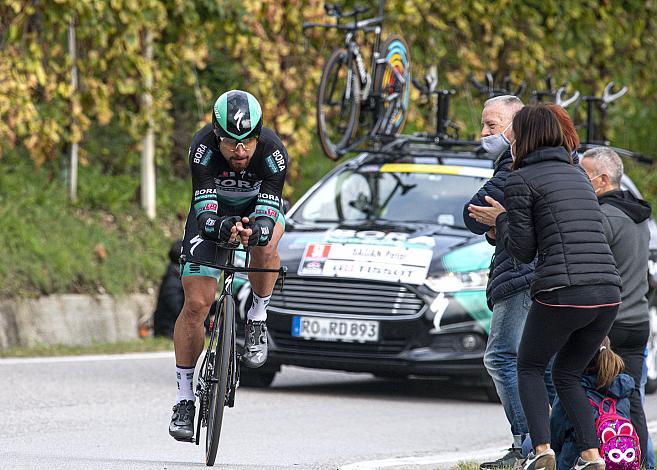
455, 282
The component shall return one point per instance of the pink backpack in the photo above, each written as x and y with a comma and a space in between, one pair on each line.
619, 442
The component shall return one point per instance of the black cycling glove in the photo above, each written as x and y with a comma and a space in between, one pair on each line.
214, 227
261, 231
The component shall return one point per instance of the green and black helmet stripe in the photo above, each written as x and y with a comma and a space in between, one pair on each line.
237, 115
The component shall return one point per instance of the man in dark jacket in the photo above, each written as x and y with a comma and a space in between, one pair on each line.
625, 224
508, 285
171, 295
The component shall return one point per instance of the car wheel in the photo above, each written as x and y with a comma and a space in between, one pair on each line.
256, 379
651, 360
491, 393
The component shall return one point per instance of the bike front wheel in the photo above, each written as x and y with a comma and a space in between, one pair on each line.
392, 82
338, 103
219, 389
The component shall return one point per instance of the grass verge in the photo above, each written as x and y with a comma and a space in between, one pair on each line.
137, 345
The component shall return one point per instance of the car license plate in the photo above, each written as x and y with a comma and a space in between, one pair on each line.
330, 329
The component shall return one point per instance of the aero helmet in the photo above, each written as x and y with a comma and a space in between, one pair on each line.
237, 115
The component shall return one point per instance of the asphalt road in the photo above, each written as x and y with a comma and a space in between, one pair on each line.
113, 413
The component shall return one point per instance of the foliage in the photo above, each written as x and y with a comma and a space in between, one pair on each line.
583, 43
204, 47
49, 246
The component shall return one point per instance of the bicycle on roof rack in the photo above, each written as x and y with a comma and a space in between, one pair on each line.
595, 129
556, 95
491, 91
350, 95
220, 373
446, 129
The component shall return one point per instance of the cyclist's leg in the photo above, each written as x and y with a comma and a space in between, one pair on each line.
199, 284
262, 284
189, 333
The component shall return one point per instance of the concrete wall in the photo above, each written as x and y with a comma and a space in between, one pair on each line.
72, 319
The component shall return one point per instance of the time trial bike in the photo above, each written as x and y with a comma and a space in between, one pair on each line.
220, 373
350, 95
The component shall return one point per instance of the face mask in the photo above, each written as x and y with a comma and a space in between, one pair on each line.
595, 190
495, 144
513, 157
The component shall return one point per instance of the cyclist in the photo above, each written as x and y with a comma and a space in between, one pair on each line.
238, 170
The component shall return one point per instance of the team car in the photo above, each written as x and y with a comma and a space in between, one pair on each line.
383, 276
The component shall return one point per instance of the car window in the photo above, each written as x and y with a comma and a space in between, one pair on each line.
395, 196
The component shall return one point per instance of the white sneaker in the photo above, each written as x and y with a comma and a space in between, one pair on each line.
546, 460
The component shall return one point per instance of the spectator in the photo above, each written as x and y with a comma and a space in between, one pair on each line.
570, 137
650, 458
604, 378
625, 223
553, 212
171, 297
507, 291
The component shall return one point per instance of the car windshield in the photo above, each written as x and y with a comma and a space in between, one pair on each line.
359, 195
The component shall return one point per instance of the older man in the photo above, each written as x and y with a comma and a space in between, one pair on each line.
508, 286
626, 228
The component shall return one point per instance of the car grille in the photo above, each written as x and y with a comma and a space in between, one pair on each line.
287, 342
345, 296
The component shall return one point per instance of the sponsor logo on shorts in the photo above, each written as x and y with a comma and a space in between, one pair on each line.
196, 241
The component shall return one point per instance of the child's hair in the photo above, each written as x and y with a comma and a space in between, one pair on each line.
606, 365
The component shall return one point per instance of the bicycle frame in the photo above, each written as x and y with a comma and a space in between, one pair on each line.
364, 75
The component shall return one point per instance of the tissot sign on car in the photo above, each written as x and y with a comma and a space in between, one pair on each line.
353, 254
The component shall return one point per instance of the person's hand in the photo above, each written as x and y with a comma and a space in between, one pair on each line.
228, 229
259, 233
491, 233
486, 215
244, 232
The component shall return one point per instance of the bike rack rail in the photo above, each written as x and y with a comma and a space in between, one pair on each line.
602, 103
491, 91
556, 95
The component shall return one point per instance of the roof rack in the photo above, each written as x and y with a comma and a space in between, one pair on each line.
402, 147
639, 157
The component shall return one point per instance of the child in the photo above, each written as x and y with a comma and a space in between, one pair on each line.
603, 378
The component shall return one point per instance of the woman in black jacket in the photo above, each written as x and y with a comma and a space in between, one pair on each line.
553, 214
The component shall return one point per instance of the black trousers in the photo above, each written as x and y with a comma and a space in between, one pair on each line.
629, 342
574, 335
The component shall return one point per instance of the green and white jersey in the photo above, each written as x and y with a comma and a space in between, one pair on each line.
216, 188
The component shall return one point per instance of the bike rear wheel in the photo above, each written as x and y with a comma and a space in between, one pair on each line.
337, 113
386, 82
219, 387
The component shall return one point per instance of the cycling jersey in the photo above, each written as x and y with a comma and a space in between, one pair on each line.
255, 192
218, 189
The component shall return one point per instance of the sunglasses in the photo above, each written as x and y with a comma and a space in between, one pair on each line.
232, 144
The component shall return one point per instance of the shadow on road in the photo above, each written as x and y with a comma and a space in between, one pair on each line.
366, 386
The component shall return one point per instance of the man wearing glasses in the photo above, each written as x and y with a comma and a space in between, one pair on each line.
238, 170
